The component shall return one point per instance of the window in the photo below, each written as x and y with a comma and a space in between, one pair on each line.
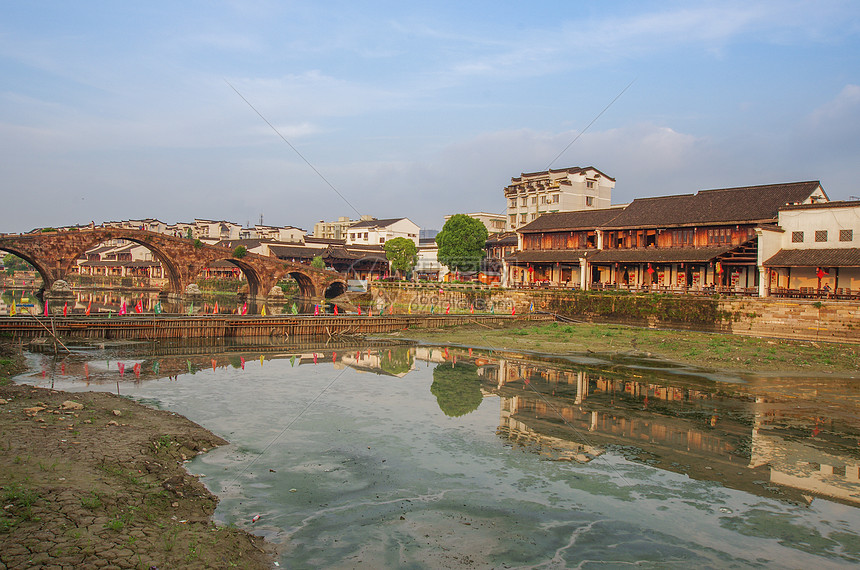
523, 217
382, 240
513, 218
534, 216
589, 200
534, 199
555, 198
543, 199
846, 235
820, 235
524, 201
796, 237
589, 184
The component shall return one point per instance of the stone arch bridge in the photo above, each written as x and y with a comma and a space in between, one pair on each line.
54, 254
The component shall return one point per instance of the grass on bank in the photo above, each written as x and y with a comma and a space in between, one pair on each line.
712, 350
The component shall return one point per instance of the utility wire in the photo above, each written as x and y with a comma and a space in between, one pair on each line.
283, 138
594, 120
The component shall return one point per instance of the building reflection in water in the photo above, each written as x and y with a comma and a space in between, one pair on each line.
789, 438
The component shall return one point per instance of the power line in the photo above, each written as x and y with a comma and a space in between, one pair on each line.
594, 120
283, 138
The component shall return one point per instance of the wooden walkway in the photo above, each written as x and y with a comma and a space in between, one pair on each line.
162, 327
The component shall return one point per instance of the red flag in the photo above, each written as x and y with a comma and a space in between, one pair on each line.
139, 307
334, 354
447, 308
370, 311
391, 310
46, 308
137, 369
215, 310
122, 309
86, 369
472, 309
213, 365
242, 358
89, 306
121, 367
316, 310
359, 310
513, 310
335, 310
315, 358
245, 309
65, 309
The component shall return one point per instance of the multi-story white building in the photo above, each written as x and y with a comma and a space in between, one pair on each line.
495, 223
336, 230
377, 232
564, 190
813, 245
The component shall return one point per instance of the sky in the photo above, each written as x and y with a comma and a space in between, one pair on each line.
299, 111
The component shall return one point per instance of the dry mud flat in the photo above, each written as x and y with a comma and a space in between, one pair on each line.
92, 480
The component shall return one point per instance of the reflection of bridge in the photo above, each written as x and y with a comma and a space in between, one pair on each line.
54, 254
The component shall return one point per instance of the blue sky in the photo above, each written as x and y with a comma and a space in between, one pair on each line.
116, 110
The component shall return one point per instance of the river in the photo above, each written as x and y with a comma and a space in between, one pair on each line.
414, 456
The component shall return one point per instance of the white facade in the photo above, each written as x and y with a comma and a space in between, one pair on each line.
565, 190
377, 232
826, 231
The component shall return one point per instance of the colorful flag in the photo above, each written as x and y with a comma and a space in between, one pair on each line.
14, 310
472, 308
215, 310
66, 309
121, 367
191, 308
294, 309
139, 307
532, 307
359, 310
335, 310
447, 308
157, 307
432, 309
122, 309
242, 360
137, 369
89, 306
316, 310
409, 309
263, 312
46, 308
370, 311
513, 310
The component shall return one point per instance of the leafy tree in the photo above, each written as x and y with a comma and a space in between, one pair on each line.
461, 243
402, 253
457, 388
318, 262
13, 263
240, 252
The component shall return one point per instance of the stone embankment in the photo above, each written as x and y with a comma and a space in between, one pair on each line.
802, 319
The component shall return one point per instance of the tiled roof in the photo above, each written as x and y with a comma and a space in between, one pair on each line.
549, 256
375, 223
659, 255
294, 251
578, 220
505, 238
746, 204
830, 257
571, 170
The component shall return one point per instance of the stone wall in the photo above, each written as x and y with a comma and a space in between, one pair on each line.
824, 320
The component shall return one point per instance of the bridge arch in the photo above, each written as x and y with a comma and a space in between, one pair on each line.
37, 264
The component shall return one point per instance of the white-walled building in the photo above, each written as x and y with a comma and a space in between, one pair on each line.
813, 246
377, 232
564, 190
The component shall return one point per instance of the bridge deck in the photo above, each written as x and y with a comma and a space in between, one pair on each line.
164, 327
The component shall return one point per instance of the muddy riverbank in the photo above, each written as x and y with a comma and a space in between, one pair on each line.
708, 350
92, 480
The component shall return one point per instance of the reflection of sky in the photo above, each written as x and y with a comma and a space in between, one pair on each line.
333, 458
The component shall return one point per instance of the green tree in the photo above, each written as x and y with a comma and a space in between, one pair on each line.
318, 262
240, 252
13, 263
457, 388
402, 253
461, 243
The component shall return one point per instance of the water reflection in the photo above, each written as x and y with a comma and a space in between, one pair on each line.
106, 302
791, 438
